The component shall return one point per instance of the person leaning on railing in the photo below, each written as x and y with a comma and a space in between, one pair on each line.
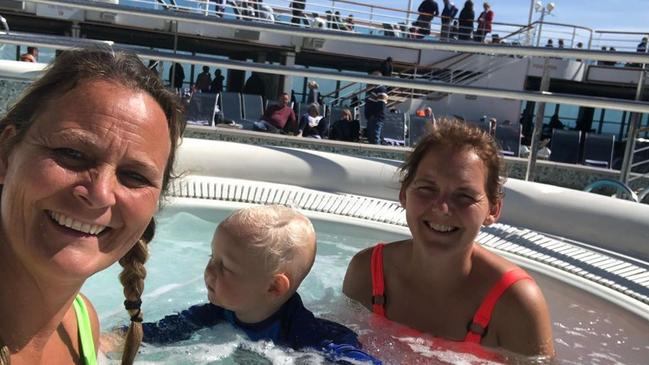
485, 21
448, 14
428, 10
465, 29
297, 9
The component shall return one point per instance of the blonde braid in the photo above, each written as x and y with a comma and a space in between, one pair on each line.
4, 354
132, 279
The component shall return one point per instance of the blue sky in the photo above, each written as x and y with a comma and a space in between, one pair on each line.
597, 14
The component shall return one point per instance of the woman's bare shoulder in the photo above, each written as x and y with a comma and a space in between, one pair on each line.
357, 284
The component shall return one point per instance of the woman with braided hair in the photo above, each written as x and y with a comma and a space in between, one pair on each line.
85, 155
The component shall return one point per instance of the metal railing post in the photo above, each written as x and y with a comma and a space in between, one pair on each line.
625, 171
538, 35
173, 64
538, 124
572, 40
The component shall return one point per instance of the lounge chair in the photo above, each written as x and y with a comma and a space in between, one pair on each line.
598, 150
394, 131
201, 109
253, 109
565, 146
509, 139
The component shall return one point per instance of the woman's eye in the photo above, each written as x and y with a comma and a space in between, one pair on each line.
70, 157
425, 190
467, 198
134, 179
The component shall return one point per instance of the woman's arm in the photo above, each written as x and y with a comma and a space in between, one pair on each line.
357, 284
522, 320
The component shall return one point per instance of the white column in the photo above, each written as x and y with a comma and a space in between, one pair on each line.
289, 60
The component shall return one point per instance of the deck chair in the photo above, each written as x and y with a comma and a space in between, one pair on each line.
231, 107
418, 129
394, 131
252, 110
509, 139
201, 109
565, 146
598, 150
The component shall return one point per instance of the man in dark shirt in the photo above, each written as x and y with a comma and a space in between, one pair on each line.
203, 80
217, 83
277, 116
375, 103
642, 46
428, 10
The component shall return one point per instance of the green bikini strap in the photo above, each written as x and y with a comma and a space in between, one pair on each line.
87, 350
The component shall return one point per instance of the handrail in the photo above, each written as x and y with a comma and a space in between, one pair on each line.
618, 185
620, 32
548, 97
360, 38
338, 90
400, 73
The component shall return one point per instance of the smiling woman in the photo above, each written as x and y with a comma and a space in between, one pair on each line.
441, 281
85, 155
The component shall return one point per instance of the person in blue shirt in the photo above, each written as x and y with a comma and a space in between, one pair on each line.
260, 255
448, 15
375, 103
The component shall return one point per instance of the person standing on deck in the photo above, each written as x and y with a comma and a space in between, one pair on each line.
428, 10
203, 80
375, 112
466, 21
297, 9
216, 86
448, 14
485, 20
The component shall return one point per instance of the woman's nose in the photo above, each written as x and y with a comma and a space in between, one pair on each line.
99, 190
440, 204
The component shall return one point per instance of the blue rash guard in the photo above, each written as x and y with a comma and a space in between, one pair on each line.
292, 325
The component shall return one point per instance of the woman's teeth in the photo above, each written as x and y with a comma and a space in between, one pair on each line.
93, 229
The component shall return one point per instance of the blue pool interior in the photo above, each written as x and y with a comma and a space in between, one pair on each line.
587, 329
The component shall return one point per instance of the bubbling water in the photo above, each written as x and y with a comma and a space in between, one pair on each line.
586, 328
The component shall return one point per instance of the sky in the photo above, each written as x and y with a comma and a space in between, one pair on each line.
633, 15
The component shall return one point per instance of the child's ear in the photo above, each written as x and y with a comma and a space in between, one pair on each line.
279, 285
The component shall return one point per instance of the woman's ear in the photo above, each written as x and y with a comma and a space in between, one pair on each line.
402, 196
280, 285
5, 137
494, 213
